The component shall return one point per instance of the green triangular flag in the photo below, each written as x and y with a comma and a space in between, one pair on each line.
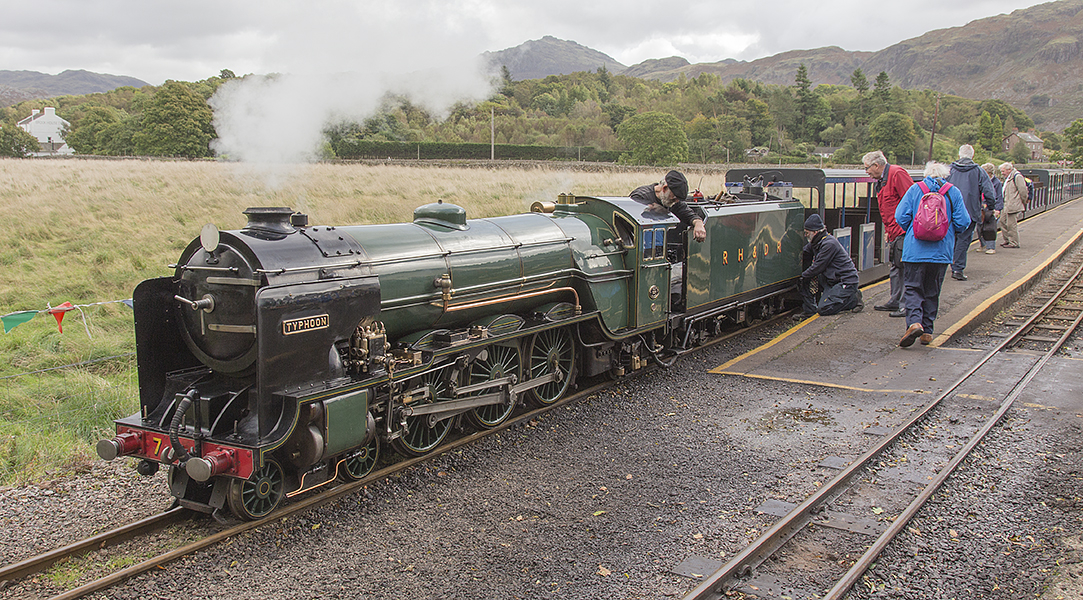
15, 319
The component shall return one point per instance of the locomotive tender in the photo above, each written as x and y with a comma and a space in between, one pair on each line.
282, 356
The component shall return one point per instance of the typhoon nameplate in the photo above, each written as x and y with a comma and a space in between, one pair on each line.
304, 324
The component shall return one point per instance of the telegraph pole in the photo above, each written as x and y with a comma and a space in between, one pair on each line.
936, 115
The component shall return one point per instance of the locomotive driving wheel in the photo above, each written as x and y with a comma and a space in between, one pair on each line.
360, 462
425, 432
500, 361
551, 351
257, 496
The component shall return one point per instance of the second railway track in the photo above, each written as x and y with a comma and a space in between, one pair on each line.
821, 547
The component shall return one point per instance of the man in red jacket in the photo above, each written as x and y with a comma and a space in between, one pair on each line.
892, 181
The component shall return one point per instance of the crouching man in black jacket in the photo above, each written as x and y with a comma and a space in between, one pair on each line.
834, 271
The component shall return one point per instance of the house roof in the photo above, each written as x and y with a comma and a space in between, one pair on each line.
1030, 137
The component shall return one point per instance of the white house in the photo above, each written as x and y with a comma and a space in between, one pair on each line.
47, 127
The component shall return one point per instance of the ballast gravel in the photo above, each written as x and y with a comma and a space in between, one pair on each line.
602, 498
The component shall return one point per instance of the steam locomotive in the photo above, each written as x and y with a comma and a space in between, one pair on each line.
283, 356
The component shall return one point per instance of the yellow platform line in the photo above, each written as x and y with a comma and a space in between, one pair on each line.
721, 369
818, 383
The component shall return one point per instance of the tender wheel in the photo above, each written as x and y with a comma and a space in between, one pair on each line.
360, 462
258, 495
551, 351
423, 432
501, 361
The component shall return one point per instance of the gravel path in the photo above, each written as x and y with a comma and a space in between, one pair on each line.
602, 498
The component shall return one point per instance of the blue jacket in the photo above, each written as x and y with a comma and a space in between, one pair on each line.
998, 190
974, 183
915, 250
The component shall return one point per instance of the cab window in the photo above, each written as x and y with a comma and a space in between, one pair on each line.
654, 243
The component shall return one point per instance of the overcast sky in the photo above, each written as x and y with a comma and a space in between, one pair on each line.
195, 39
338, 58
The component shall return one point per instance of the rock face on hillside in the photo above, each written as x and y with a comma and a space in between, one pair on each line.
550, 56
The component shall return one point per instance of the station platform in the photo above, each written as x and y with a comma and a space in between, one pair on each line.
860, 351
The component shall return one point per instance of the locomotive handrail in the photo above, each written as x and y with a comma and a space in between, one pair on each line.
350, 265
202, 268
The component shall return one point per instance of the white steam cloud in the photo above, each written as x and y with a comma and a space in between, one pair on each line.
339, 71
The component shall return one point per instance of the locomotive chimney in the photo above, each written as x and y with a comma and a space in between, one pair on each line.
269, 218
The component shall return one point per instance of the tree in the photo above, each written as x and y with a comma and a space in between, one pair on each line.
859, 81
176, 122
986, 132
86, 136
807, 104
998, 135
881, 93
861, 84
617, 114
1020, 153
893, 133
16, 142
1073, 140
653, 138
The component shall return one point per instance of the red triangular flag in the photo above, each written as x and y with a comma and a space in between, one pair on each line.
59, 313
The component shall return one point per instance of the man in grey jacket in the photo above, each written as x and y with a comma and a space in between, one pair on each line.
977, 189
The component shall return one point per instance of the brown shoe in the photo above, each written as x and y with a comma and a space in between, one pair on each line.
912, 334
926, 339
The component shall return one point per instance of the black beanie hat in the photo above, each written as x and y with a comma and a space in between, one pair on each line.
814, 223
677, 184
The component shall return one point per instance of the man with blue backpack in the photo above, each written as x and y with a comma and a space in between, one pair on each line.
932, 213
977, 189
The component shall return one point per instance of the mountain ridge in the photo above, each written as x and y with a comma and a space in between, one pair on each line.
72, 82
1031, 58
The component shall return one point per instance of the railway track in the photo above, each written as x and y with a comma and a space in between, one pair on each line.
822, 547
157, 523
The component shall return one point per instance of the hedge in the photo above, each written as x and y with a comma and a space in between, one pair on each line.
353, 149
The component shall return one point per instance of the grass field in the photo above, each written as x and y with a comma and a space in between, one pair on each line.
88, 231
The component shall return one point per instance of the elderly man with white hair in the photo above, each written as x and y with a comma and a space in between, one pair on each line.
1015, 198
892, 181
977, 189
926, 262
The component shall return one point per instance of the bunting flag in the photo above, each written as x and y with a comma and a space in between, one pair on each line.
59, 313
13, 320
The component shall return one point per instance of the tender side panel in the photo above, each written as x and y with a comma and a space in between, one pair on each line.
749, 246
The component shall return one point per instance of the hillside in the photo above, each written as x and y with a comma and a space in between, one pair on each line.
1032, 59
549, 56
16, 86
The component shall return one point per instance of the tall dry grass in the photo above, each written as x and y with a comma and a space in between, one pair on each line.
88, 231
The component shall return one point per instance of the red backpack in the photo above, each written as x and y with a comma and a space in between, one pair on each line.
931, 220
